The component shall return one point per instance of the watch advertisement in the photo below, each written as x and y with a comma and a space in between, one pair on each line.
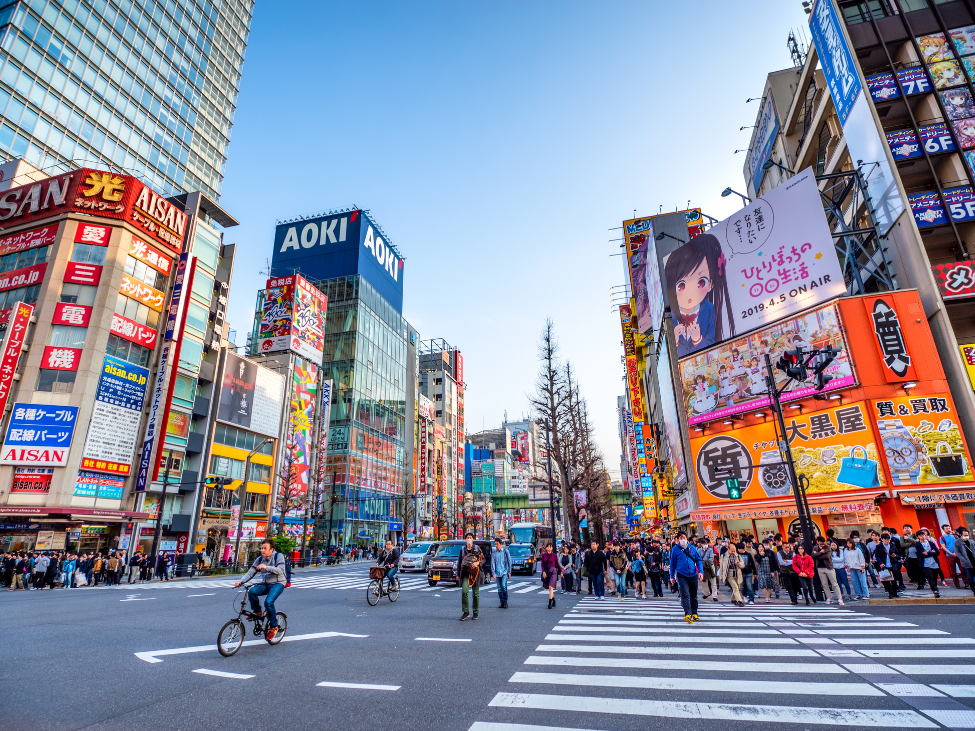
835, 449
921, 441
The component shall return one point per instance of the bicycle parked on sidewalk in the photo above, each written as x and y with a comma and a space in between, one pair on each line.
231, 636
380, 586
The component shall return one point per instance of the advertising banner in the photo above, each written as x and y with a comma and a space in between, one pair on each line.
156, 407
968, 355
75, 315
669, 413
143, 293
927, 209
91, 233
921, 440
82, 273
303, 386
423, 457
182, 283
39, 435
28, 239
644, 273
960, 203
855, 112
883, 88
13, 343
133, 331
889, 338
94, 484
115, 417
326, 416
771, 259
250, 396
23, 277
903, 144
835, 449
60, 359
147, 255
956, 279
36, 480
730, 378
767, 129
293, 318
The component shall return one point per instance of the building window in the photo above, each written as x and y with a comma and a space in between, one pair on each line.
135, 310
145, 273
79, 294
26, 258
861, 12
234, 468
240, 439
89, 254
21, 294
255, 502
67, 336
439, 414
185, 390
437, 381
438, 397
121, 348
55, 381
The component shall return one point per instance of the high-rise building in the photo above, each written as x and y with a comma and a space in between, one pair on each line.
140, 86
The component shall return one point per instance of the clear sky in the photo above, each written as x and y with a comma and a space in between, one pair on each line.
497, 143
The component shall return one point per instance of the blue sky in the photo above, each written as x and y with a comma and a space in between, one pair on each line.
497, 143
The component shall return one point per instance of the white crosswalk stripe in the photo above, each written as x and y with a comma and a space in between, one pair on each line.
651, 659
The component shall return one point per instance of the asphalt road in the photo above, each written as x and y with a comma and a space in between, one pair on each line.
84, 659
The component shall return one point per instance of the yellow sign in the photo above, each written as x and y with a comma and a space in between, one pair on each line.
968, 355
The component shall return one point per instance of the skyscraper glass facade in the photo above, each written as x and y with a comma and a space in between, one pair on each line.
365, 356
145, 86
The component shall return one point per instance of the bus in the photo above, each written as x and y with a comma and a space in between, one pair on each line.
535, 533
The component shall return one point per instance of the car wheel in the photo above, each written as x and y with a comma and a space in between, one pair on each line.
431, 582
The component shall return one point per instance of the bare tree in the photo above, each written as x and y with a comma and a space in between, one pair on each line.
289, 495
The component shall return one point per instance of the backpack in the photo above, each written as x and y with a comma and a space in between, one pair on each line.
287, 569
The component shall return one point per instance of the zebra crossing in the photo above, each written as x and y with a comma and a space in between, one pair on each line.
615, 667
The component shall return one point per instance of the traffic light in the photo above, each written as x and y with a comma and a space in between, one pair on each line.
793, 364
734, 488
217, 481
823, 359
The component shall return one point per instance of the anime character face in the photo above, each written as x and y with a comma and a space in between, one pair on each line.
692, 289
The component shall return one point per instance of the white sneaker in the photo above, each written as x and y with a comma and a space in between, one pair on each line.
829, 601
841, 602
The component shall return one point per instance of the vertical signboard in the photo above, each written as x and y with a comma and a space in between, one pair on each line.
766, 130
115, 417
304, 385
326, 412
13, 342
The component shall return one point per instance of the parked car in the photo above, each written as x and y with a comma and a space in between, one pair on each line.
417, 556
445, 565
524, 559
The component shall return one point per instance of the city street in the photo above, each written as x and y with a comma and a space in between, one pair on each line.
144, 657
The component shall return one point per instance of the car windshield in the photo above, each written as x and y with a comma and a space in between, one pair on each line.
523, 535
519, 551
449, 550
417, 548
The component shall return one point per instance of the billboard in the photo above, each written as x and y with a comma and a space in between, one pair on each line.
338, 245
115, 417
250, 396
835, 449
922, 443
766, 130
644, 273
669, 413
304, 384
956, 279
39, 435
769, 260
10, 351
730, 378
293, 318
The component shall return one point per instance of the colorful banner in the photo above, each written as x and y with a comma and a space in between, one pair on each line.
730, 379
669, 414
39, 435
835, 449
115, 417
632, 368
143, 293
13, 343
968, 355
927, 209
293, 318
771, 259
956, 279
922, 443
641, 251
304, 384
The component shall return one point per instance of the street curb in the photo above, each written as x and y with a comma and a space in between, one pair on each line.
924, 600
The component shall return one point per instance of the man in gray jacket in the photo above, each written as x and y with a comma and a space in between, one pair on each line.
501, 570
270, 569
965, 551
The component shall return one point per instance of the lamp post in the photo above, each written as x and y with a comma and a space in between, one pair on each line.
243, 495
769, 164
660, 237
728, 191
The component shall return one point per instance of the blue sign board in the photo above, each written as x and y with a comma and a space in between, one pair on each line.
961, 203
122, 384
903, 144
914, 80
764, 140
835, 58
927, 209
39, 434
339, 245
883, 87
396, 526
936, 138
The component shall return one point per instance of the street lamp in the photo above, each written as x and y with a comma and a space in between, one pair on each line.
769, 164
662, 235
728, 191
243, 496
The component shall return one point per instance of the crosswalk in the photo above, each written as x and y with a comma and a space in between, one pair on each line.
348, 579
613, 667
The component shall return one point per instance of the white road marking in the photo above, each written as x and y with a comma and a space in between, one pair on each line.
664, 650
222, 674
361, 686
210, 594
707, 684
780, 640
911, 632
957, 691
710, 666
154, 655
935, 669
526, 589
685, 629
134, 598
901, 640
441, 639
713, 711
483, 726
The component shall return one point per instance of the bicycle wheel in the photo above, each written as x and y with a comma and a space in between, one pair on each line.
372, 593
231, 637
282, 628
394, 590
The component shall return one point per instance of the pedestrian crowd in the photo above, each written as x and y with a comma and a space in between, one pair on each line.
33, 570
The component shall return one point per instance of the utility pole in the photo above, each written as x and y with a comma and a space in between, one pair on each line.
551, 494
157, 534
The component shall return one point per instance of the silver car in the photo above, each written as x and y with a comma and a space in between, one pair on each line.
416, 557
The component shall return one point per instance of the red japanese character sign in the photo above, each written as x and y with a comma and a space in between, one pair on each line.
956, 279
61, 359
133, 331
13, 343
82, 273
90, 233
68, 314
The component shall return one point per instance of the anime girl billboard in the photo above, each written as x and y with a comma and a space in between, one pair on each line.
769, 260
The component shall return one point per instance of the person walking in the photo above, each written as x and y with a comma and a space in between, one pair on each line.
595, 562
909, 549
501, 570
653, 563
639, 568
855, 564
469, 569
888, 561
686, 570
576, 568
620, 564
710, 577
839, 567
947, 544
565, 566
784, 556
803, 565
824, 568
747, 570
765, 564
551, 569
927, 551
729, 571
965, 551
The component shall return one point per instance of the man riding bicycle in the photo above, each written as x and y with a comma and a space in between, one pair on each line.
388, 559
271, 567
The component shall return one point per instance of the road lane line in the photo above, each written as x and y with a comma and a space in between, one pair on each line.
153, 656
222, 674
710, 666
361, 686
780, 640
714, 711
210, 594
441, 639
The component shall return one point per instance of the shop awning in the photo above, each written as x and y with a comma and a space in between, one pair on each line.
74, 512
786, 508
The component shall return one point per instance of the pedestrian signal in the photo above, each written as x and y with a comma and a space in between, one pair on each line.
734, 488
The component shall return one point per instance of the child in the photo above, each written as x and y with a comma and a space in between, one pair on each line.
698, 291
639, 569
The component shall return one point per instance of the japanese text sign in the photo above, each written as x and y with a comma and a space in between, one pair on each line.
28, 239
60, 359
182, 285
77, 315
143, 293
82, 273
956, 279
90, 233
889, 338
146, 254
39, 435
13, 343
133, 331
24, 277
771, 259
115, 418
835, 449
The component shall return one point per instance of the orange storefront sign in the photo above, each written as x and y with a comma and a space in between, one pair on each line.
889, 339
835, 449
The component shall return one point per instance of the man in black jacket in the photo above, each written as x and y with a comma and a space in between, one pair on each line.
469, 570
595, 563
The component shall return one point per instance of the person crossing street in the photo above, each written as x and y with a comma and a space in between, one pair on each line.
686, 569
501, 570
470, 562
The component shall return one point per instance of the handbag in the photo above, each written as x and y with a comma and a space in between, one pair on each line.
858, 472
885, 575
947, 465
377, 572
80, 579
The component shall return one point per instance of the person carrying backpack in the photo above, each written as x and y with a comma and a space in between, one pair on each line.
686, 569
271, 567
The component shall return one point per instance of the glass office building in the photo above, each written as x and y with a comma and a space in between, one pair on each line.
365, 355
148, 87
